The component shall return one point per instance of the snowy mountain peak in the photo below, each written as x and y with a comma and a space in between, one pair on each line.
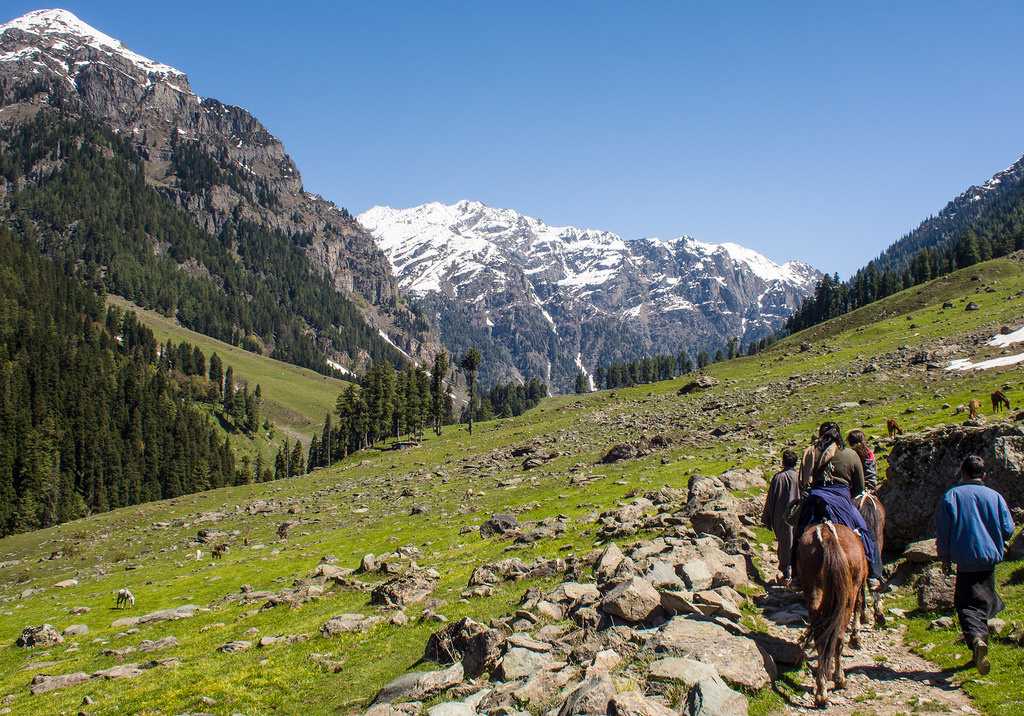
57, 32
548, 293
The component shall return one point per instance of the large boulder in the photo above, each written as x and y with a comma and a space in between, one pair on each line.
701, 382
499, 524
43, 635
478, 646
634, 703
739, 660
935, 590
409, 588
420, 685
590, 698
922, 467
635, 600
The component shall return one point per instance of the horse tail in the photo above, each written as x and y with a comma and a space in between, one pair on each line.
829, 621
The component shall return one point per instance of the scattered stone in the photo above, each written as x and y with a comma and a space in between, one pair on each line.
520, 662
634, 703
499, 524
935, 591
922, 552
183, 612
590, 698
147, 645
76, 630
406, 589
42, 683
44, 635
347, 623
67, 583
233, 647
702, 382
419, 685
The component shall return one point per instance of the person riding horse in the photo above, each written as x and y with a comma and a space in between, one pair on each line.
831, 475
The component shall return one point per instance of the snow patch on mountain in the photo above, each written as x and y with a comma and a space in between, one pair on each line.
60, 27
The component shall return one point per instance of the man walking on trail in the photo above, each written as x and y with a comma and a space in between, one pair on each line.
782, 493
973, 524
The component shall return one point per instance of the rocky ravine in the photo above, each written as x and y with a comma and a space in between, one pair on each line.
552, 301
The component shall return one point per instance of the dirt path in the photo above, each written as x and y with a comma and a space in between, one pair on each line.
882, 677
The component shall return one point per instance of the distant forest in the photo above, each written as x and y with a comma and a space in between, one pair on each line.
94, 413
247, 286
941, 245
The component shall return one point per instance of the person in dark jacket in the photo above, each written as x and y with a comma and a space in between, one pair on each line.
783, 491
972, 526
834, 475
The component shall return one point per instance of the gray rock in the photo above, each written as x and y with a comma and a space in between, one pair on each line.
738, 659
696, 575
590, 698
634, 600
235, 646
499, 524
477, 646
43, 635
404, 590
42, 683
935, 590
167, 642
608, 562
922, 552
183, 612
711, 697
681, 669
420, 685
347, 623
519, 662
634, 703
76, 630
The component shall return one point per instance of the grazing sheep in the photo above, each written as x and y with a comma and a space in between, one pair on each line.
125, 599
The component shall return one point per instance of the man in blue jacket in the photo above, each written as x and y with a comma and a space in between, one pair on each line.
973, 524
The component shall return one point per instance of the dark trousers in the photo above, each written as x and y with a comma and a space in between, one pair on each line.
976, 602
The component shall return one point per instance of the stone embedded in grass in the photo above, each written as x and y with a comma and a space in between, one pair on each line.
590, 698
43, 635
420, 685
406, 589
42, 683
738, 659
634, 703
499, 524
348, 623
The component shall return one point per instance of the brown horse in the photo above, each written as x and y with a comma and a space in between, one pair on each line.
873, 512
999, 401
893, 427
832, 569
973, 408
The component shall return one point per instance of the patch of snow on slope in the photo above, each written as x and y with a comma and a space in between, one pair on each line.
585, 372
1009, 339
339, 367
1000, 362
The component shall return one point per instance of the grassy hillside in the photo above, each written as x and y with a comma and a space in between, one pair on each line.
294, 399
365, 505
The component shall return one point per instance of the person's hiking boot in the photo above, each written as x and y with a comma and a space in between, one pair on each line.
874, 584
981, 657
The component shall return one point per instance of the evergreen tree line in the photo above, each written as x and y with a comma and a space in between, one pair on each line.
507, 400
248, 286
214, 384
387, 403
993, 230
92, 417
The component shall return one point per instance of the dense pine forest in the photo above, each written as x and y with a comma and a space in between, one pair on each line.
990, 227
94, 413
82, 194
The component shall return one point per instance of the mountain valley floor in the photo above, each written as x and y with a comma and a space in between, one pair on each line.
296, 556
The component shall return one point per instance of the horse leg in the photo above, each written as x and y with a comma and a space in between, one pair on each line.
820, 689
838, 675
859, 617
876, 598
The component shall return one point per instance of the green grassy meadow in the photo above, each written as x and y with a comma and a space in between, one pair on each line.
364, 505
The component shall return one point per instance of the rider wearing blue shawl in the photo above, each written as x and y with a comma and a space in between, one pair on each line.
834, 475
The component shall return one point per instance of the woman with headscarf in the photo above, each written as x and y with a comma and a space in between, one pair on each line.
832, 475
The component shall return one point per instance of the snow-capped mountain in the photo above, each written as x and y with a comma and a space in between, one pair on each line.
214, 160
549, 300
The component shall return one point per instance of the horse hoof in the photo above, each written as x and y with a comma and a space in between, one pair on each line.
880, 620
855, 644
821, 702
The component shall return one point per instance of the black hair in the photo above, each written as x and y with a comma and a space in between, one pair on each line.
973, 466
789, 458
828, 434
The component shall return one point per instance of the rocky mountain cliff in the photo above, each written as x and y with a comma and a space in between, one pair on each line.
551, 301
214, 160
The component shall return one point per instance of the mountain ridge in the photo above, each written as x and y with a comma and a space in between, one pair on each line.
215, 161
542, 292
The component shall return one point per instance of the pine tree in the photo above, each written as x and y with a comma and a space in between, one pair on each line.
470, 364
581, 383
217, 374
438, 390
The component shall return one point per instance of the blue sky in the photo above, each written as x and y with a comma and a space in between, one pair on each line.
820, 131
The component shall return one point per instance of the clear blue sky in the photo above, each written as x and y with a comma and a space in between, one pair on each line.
821, 131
